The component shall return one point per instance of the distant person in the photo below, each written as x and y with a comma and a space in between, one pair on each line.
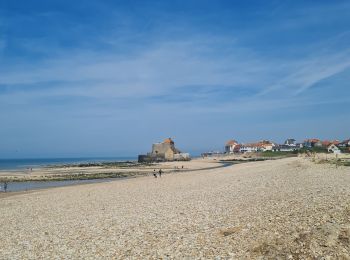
182, 167
5, 186
160, 172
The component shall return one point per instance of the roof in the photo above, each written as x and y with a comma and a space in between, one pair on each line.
168, 141
312, 140
336, 142
332, 145
346, 141
231, 142
326, 143
263, 143
237, 147
284, 146
252, 145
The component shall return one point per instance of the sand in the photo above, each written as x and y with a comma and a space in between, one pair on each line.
288, 209
66, 172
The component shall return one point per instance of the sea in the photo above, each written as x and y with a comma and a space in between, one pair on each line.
16, 165
25, 163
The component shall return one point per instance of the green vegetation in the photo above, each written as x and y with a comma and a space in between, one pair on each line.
313, 150
345, 149
73, 177
337, 162
278, 154
126, 164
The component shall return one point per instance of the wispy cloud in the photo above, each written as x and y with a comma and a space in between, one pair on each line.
305, 73
114, 63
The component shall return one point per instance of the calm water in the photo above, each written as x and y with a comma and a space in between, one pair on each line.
35, 185
22, 164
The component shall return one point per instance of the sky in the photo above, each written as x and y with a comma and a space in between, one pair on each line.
109, 78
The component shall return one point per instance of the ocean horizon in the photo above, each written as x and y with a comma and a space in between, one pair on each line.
26, 163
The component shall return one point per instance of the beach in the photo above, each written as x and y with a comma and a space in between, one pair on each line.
290, 208
102, 170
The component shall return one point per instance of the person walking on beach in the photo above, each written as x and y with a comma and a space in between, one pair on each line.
5, 186
154, 173
160, 172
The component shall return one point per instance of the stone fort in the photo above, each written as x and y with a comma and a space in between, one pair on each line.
164, 151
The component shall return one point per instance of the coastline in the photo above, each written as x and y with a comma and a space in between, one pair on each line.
265, 209
93, 174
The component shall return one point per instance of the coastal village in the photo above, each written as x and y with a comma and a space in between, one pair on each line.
290, 145
166, 150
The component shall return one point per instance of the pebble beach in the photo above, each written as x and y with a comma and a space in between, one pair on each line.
290, 208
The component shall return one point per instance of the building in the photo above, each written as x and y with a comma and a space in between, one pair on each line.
261, 146
230, 146
164, 151
266, 145
326, 143
310, 143
290, 142
237, 148
249, 148
345, 143
333, 149
285, 148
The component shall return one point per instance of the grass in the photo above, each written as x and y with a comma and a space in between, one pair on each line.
127, 164
277, 154
337, 162
73, 177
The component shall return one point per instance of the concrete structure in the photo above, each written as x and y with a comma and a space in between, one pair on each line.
345, 143
285, 148
266, 145
290, 142
310, 143
164, 151
333, 149
261, 146
249, 148
230, 146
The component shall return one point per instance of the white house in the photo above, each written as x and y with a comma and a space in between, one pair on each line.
267, 147
250, 148
333, 149
285, 148
230, 146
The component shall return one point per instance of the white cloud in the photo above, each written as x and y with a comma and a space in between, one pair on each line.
159, 69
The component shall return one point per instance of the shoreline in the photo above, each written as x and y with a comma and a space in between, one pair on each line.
95, 174
78, 179
123, 169
264, 209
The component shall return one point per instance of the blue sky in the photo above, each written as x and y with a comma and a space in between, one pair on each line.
109, 78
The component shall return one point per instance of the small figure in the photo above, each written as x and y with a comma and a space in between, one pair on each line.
160, 172
182, 166
5, 186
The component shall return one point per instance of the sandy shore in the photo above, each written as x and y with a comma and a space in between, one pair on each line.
289, 209
73, 171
